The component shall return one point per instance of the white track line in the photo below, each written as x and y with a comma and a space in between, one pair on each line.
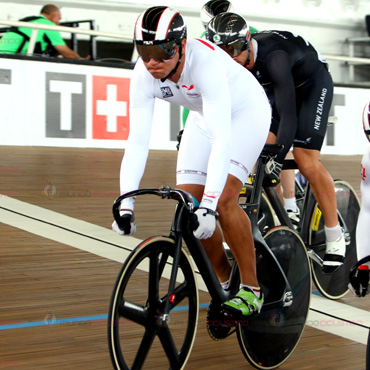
105, 243
68, 230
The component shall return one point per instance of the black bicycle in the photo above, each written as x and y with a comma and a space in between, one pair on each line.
311, 228
153, 314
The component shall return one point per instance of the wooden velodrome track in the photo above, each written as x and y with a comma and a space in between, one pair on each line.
59, 261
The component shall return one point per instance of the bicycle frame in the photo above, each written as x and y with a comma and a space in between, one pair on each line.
167, 284
180, 230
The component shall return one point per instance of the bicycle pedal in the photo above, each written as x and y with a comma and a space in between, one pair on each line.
234, 317
232, 321
347, 238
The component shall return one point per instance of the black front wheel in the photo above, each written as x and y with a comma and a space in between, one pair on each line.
139, 334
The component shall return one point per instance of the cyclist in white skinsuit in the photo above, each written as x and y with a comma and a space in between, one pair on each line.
359, 276
220, 145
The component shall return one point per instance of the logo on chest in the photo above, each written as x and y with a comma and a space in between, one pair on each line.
189, 91
166, 92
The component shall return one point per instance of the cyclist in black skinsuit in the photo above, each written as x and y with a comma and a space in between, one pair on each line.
300, 88
291, 70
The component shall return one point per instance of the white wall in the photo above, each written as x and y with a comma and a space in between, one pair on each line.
325, 23
57, 104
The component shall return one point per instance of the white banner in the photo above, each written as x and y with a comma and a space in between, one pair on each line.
70, 105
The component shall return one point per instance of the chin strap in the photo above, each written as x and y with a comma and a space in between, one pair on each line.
176, 67
249, 57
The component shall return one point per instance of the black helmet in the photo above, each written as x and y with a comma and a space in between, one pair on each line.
230, 31
158, 33
214, 7
366, 120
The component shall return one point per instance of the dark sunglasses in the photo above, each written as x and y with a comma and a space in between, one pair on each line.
160, 52
235, 48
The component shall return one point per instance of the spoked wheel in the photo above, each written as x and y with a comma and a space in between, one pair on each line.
266, 220
335, 285
269, 338
139, 335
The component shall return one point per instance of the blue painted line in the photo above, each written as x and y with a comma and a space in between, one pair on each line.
51, 320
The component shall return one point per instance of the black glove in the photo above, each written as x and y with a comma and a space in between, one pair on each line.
272, 174
125, 224
179, 136
359, 280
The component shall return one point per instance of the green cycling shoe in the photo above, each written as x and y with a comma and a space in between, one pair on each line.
245, 303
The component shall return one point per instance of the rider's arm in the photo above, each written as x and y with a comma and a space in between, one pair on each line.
279, 69
213, 84
141, 116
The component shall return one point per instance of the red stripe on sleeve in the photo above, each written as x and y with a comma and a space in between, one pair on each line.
206, 43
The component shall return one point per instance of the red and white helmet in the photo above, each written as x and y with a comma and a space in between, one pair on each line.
158, 33
159, 24
366, 120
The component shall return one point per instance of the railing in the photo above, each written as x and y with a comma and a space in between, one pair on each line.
350, 60
72, 30
351, 53
74, 43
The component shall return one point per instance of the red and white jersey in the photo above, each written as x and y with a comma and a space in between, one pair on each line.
213, 85
362, 231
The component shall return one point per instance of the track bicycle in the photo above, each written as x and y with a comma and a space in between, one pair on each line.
154, 308
311, 228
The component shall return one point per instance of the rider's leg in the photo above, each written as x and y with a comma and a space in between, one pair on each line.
213, 245
321, 182
322, 187
237, 231
287, 179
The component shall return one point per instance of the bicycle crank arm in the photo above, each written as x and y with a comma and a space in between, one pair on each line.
314, 256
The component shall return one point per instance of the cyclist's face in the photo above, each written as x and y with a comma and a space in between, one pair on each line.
242, 58
162, 69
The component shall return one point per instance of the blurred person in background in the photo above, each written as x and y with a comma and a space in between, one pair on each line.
49, 43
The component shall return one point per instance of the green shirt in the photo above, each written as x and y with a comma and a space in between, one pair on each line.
11, 41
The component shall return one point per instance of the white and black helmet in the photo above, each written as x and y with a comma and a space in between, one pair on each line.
230, 31
214, 7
